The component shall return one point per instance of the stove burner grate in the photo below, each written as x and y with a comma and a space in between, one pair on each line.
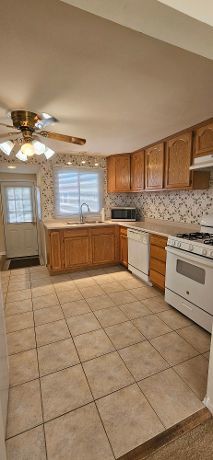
209, 241
195, 236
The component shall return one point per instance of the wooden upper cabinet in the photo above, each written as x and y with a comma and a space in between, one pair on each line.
122, 172
203, 140
137, 171
154, 167
178, 161
111, 174
118, 173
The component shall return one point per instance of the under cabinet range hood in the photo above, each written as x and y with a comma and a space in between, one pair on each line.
205, 162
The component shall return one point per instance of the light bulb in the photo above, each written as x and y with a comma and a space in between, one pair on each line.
27, 149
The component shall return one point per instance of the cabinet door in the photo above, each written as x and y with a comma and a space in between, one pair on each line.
76, 248
204, 140
154, 167
54, 248
122, 173
123, 247
137, 171
104, 245
111, 174
178, 161
76, 252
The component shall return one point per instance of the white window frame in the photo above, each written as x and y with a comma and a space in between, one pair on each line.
73, 216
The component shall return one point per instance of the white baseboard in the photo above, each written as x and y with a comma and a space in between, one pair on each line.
208, 403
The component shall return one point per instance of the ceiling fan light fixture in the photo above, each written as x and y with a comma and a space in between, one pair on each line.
21, 156
27, 149
7, 147
49, 153
39, 147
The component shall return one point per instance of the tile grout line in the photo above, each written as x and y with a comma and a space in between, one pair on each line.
88, 384
116, 350
42, 406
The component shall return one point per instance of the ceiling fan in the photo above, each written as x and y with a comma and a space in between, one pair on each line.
27, 140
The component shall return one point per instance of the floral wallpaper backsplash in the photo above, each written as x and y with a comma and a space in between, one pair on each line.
178, 206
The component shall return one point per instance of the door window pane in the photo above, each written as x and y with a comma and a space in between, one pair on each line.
19, 204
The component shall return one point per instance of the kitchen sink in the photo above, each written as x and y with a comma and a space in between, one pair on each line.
72, 224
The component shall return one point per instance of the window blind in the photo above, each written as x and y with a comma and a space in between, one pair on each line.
75, 186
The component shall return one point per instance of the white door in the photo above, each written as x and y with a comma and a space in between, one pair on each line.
20, 220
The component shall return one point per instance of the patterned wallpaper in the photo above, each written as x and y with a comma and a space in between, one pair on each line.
45, 174
179, 206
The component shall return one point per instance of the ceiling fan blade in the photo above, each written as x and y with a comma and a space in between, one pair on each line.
7, 126
7, 136
45, 120
62, 137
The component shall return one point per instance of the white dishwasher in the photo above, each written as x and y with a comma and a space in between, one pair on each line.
138, 253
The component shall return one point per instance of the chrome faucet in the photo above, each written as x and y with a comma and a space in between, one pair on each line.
81, 212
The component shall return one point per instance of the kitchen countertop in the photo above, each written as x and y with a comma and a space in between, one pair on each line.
154, 226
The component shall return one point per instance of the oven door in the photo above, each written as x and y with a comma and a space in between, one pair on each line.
191, 277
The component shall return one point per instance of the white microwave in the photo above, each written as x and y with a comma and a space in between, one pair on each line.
125, 214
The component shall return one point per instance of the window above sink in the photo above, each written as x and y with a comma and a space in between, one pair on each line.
73, 186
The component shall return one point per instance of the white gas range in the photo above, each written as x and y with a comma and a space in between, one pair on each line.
189, 274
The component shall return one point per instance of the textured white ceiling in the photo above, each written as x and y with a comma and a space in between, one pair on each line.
157, 19
200, 10
117, 87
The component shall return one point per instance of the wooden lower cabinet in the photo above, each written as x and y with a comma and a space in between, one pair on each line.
53, 246
158, 260
104, 245
123, 246
76, 249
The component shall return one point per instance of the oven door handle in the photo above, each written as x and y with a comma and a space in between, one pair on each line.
183, 255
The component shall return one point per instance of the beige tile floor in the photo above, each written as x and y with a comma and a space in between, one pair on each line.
99, 364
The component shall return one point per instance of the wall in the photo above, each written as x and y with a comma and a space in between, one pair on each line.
179, 206
46, 172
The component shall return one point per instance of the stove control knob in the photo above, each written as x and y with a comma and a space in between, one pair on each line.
191, 247
179, 244
204, 252
211, 254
